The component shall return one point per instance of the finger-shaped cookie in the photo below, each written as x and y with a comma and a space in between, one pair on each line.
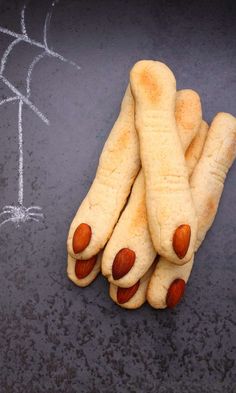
135, 296
83, 272
118, 166
167, 284
171, 215
195, 149
129, 253
207, 180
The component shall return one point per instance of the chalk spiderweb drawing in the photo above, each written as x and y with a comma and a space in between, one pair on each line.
19, 213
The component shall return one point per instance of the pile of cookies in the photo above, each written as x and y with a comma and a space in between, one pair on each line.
155, 194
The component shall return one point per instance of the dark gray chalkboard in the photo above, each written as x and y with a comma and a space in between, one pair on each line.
55, 337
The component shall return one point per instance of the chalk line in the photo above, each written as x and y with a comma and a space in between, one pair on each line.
9, 99
7, 52
51, 52
11, 33
34, 207
45, 27
34, 219
24, 99
10, 207
5, 212
8, 220
30, 70
22, 21
36, 214
21, 165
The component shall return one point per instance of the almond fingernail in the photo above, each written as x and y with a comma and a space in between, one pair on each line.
84, 267
175, 292
181, 240
125, 294
123, 262
81, 237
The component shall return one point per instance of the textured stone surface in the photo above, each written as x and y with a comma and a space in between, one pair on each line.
55, 337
